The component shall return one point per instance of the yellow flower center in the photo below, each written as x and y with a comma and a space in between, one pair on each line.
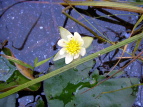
73, 47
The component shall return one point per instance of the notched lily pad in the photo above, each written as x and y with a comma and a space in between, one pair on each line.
65, 90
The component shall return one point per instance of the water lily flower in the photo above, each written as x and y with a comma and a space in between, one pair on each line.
73, 46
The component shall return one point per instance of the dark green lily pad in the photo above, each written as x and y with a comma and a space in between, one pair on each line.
8, 101
65, 89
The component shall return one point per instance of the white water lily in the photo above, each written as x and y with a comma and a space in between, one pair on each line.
73, 46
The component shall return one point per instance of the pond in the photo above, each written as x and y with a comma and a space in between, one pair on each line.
32, 30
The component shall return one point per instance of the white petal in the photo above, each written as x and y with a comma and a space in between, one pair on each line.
62, 51
82, 51
76, 56
58, 56
87, 41
77, 59
62, 42
64, 33
78, 38
81, 42
70, 37
68, 58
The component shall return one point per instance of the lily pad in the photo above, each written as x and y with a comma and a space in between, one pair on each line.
8, 101
6, 69
65, 89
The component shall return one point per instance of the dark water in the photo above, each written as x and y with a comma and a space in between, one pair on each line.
31, 29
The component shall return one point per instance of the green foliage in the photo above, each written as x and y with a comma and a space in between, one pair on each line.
17, 79
106, 4
8, 101
40, 103
9, 76
15, 60
65, 89
6, 69
72, 65
36, 63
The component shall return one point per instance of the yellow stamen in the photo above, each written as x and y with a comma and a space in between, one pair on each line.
73, 47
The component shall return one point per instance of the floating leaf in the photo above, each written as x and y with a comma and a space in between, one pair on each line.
65, 89
8, 101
